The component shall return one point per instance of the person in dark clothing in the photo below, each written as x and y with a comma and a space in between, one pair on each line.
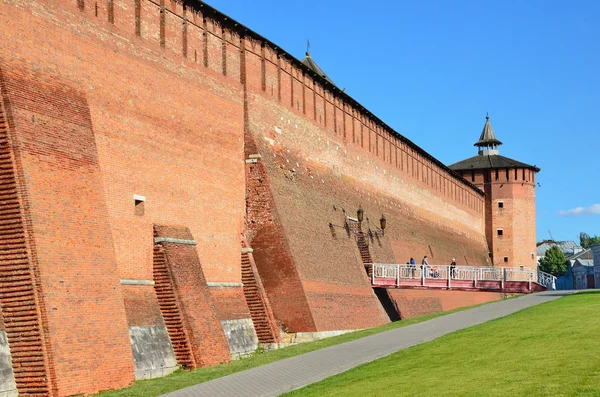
453, 268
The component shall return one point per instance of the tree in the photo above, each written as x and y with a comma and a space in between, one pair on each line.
554, 262
586, 241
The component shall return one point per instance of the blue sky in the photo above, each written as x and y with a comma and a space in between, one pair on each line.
431, 70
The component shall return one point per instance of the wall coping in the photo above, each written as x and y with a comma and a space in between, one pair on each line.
220, 284
158, 240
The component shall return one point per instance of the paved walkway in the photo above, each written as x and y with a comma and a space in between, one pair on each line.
295, 372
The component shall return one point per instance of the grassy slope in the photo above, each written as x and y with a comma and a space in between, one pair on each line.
548, 350
181, 379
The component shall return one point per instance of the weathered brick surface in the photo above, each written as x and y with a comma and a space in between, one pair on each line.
141, 306
309, 193
515, 189
272, 256
133, 90
166, 101
415, 302
71, 240
265, 324
194, 303
20, 305
229, 302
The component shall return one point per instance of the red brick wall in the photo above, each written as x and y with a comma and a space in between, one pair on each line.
141, 305
313, 177
414, 302
209, 345
199, 314
272, 255
164, 114
515, 188
70, 236
230, 303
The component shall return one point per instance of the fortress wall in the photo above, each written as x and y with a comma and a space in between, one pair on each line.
161, 126
183, 152
153, 353
162, 86
68, 232
320, 151
312, 181
415, 302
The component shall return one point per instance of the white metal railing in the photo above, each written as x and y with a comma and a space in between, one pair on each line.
547, 280
383, 273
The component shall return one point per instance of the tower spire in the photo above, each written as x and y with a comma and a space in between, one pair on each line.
487, 143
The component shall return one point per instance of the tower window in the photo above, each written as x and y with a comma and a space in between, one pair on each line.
472, 176
496, 174
500, 204
500, 232
506, 259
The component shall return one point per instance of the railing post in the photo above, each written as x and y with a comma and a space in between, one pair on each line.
503, 278
422, 275
372, 274
475, 277
529, 281
397, 276
449, 276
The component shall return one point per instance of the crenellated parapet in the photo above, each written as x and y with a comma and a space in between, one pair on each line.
197, 35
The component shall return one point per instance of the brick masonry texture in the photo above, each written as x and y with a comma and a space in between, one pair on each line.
515, 189
414, 302
194, 302
103, 100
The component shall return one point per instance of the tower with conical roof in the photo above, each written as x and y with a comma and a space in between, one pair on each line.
509, 187
312, 65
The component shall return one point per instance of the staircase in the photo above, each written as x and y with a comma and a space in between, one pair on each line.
18, 298
365, 254
260, 310
169, 309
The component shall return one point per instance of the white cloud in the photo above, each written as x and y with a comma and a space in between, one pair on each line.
593, 209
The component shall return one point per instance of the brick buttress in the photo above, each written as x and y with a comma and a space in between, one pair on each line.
257, 300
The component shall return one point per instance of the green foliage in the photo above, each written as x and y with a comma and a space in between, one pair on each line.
547, 350
586, 241
554, 262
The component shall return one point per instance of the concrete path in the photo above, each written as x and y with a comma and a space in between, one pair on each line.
295, 372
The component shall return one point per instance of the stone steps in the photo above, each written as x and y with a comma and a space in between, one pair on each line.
169, 309
256, 303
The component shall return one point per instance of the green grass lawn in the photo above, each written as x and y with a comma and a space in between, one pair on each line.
181, 379
548, 350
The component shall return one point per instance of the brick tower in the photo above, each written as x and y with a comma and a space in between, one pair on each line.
509, 187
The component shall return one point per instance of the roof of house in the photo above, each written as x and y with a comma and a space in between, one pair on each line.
566, 247
584, 254
583, 265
